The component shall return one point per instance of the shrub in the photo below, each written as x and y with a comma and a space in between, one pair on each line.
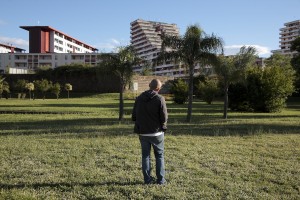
238, 97
180, 91
42, 86
55, 89
266, 90
208, 90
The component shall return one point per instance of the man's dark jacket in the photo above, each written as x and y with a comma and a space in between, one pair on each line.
150, 113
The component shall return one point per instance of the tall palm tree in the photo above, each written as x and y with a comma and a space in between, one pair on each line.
121, 64
194, 47
231, 69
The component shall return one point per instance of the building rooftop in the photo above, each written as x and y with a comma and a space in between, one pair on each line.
49, 28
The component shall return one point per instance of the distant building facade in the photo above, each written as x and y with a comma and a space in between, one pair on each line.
45, 39
20, 62
146, 39
47, 47
288, 33
10, 49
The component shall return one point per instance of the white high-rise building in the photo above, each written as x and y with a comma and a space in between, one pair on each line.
146, 39
287, 34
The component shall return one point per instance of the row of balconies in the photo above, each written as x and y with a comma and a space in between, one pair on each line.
296, 31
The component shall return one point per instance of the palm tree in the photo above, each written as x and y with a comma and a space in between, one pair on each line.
231, 69
194, 47
121, 64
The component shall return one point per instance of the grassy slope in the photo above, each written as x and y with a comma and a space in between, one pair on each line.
90, 155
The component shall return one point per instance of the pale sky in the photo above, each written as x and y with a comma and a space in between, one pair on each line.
106, 24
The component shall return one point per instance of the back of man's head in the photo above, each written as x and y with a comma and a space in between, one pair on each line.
155, 84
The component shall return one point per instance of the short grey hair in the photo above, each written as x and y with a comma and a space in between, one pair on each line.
155, 84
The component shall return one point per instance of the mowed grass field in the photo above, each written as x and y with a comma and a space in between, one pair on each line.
77, 149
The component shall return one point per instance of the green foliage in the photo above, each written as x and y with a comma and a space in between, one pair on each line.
44, 71
55, 89
20, 85
267, 89
121, 64
180, 91
68, 87
4, 86
238, 97
208, 89
43, 86
232, 70
295, 45
194, 47
278, 60
30, 88
295, 62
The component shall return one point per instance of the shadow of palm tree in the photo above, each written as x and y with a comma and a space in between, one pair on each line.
66, 184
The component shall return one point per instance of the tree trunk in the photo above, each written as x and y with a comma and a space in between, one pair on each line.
190, 96
225, 101
121, 99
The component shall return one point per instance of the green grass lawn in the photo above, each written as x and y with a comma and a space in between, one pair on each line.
76, 149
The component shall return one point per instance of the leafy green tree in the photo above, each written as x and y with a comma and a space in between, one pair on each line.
55, 89
121, 64
30, 88
4, 86
295, 61
20, 87
42, 86
278, 60
295, 45
69, 88
208, 89
180, 91
44, 71
269, 88
194, 47
232, 69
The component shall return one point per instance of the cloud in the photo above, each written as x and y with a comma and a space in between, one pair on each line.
17, 42
234, 49
110, 46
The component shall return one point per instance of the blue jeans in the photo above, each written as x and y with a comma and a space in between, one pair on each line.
157, 142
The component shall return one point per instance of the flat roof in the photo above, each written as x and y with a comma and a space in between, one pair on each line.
49, 28
5, 45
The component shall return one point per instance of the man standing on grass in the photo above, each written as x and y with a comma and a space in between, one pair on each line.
150, 116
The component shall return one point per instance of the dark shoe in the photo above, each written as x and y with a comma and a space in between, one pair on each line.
164, 182
150, 181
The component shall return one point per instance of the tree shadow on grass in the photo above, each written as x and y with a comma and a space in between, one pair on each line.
64, 184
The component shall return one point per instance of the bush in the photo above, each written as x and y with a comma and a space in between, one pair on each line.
208, 90
238, 97
180, 91
42, 86
266, 90
55, 89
